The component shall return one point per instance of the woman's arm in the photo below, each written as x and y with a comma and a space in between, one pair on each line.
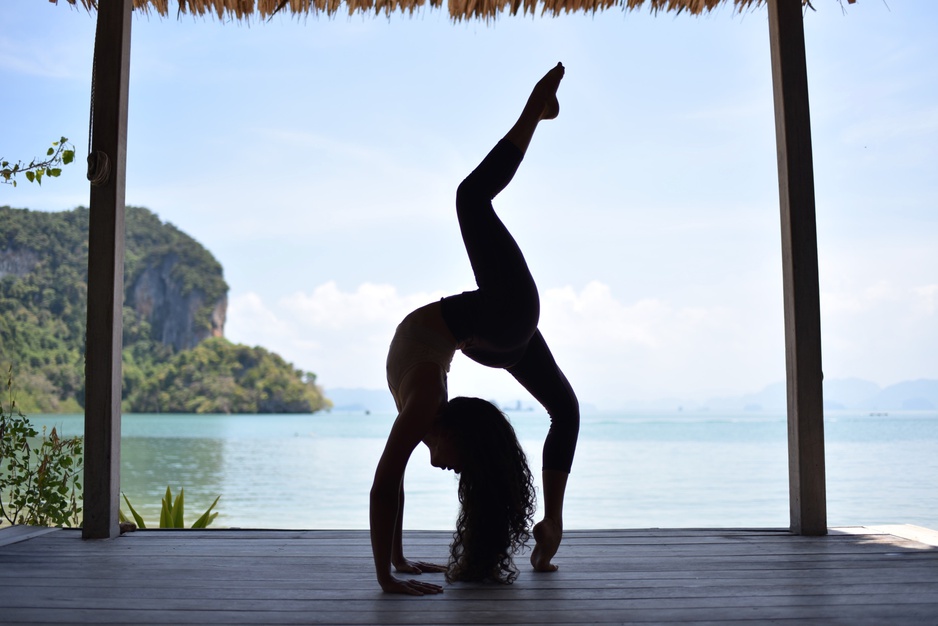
423, 392
398, 560
383, 518
397, 547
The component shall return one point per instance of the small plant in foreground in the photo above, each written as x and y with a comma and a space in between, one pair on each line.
171, 512
39, 475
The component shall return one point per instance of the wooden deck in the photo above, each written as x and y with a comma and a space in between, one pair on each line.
851, 576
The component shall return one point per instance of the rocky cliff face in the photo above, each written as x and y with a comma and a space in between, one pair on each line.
176, 317
18, 261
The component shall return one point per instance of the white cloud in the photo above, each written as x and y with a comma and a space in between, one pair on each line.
613, 351
618, 352
341, 336
249, 317
368, 306
595, 318
884, 331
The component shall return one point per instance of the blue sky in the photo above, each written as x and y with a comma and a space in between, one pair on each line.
318, 159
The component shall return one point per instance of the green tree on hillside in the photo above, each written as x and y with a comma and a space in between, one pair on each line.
218, 376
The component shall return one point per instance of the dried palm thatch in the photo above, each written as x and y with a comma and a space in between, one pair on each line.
458, 9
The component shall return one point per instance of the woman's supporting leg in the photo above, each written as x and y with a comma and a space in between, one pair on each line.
538, 372
548, 533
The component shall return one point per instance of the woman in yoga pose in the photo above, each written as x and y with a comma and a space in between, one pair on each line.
495, 325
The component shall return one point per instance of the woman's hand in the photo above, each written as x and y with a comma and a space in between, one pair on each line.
409, 587
417, 567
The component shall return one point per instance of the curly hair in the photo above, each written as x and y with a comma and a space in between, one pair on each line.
496, 492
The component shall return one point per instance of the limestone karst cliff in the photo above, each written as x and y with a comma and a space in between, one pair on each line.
17, 262
172, 283
176, 317
175, 299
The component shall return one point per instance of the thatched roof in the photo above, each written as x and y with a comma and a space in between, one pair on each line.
458, 9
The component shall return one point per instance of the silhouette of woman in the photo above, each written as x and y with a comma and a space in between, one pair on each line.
495, 325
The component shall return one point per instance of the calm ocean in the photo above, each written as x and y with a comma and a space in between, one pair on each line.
632, 470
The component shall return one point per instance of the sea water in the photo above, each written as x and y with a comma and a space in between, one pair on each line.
632, 470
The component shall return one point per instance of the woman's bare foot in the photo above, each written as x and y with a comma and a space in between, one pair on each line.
542, 104
544, 96
547, 535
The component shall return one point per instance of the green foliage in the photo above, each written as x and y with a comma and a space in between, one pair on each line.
43, 295
43, 301
39, 475
218, 376
61, 153
171, 512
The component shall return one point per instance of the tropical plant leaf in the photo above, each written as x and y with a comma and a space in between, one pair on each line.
133, 511
166, 511
208, 517
178, 508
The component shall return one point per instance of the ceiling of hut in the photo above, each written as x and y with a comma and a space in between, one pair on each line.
458, 9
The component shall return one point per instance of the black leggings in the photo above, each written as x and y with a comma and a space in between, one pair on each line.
497, 323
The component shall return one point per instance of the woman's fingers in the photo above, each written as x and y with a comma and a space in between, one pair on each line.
418, 588
410, 587
425, 588
418, 567
429, 567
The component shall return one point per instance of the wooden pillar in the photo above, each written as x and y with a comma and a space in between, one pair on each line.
106, 271
807, 487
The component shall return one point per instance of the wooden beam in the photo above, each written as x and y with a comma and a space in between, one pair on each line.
106, 271
807, 485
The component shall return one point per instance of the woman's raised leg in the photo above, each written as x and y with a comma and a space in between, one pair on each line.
501, 315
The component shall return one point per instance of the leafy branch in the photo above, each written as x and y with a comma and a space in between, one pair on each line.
61, 153
39, 475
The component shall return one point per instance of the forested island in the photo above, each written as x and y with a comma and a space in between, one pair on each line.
175, 356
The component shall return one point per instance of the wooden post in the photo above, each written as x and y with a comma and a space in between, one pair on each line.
806, 473
106, 271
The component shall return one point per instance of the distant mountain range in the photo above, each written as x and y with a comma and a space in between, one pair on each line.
848, 394
851, 394
380, 400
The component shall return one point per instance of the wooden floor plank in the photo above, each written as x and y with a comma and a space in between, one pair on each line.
520, 598
302, 580
390, 615
15, 534
647, 576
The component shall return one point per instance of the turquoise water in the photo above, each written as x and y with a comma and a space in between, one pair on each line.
632, 470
